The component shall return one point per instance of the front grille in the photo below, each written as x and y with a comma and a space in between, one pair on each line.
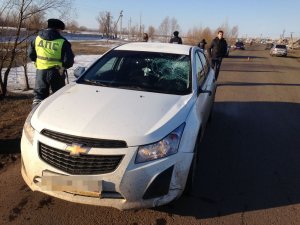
82, 164
87, 142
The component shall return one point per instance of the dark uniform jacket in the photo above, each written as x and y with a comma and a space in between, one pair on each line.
67, 55
217, 48
176, 40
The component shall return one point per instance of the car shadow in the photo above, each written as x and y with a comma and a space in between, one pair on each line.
253, 71
252, 66
292, 57
249, 161
244, 57
220, 84
10, 146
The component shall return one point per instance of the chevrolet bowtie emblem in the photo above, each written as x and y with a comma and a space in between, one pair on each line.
76, 149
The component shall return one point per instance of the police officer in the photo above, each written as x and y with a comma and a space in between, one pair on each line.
52, 54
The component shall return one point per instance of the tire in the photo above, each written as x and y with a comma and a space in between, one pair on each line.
210, 117
191, 180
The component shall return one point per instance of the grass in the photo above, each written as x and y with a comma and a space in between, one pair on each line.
89, 48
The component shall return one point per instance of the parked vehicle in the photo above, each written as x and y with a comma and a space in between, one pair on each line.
126, 134
239, 45
278, 50
268, 46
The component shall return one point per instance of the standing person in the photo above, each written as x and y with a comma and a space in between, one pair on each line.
202, 44
216, 51
176, 39
145, 37
52, 54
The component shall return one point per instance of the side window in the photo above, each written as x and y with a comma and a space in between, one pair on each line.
108, 66
109, 69
199, 69
204, 63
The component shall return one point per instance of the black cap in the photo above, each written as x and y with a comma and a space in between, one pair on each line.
56, 24
176, 33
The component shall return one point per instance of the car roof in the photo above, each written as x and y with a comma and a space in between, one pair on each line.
156, 47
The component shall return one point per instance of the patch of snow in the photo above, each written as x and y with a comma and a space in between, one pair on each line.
16, 78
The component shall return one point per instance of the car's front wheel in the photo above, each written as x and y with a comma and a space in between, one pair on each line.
192, 177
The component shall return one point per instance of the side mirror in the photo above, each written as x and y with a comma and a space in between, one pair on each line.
79, 71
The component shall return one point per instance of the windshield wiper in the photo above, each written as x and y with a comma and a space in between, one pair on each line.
94, 82
128, 86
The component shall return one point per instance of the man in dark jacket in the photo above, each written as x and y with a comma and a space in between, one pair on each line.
52, 54
176, 39
216, 51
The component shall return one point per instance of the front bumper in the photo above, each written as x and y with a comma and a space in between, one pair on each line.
129, 186
279, 53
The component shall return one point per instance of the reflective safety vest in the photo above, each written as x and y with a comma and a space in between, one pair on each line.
48, 53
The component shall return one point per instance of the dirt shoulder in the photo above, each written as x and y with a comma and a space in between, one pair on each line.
13, 110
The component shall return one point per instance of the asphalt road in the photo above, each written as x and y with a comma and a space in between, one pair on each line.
249, 169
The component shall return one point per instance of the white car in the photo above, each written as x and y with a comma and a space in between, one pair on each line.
278, 50
126, 133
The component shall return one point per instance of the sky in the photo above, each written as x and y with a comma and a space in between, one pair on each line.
254, 18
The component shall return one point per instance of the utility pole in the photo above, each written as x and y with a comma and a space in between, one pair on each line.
283, 32
140, 25
116, 25
121, 16
129, 28
108, 16
292, 45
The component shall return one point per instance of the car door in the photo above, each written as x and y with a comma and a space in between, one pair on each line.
205, 86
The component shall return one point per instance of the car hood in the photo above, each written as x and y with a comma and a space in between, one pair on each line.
136, 117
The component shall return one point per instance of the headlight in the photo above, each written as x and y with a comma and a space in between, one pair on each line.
28, 129
163, 148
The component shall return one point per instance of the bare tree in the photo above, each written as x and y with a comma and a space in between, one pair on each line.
207, 34
24, 64
167, 27
196, 34
72, 26
23, 10
83, 28
174, 25
134, 30
193, 36
36, 21
164, 28
105, 21
151, 31
233, 34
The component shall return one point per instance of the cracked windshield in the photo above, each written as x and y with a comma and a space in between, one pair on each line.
145, 71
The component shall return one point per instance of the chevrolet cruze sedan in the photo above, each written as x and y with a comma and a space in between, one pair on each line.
126, 133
